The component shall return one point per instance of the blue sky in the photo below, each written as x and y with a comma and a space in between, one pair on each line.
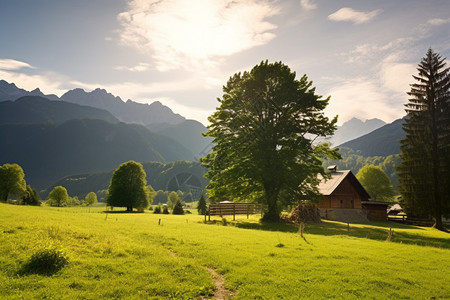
361, 53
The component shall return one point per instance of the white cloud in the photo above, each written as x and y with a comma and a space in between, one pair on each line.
195, 34
396, 76
308, 4
438, 21
362, 98
140, 67
45, 83
12, 64
351, 15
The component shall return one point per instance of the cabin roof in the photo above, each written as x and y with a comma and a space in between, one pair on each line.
328, 185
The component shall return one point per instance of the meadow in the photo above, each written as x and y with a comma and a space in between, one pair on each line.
148, 256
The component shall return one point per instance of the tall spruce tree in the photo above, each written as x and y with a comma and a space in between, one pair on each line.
424, 173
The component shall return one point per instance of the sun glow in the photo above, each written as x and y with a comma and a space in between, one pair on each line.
189, 34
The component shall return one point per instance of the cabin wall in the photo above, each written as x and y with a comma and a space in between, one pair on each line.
344, 196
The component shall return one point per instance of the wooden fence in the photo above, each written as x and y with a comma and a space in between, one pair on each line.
231, 208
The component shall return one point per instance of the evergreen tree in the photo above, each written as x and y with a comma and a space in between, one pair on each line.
201, 206
424, 173
178, 208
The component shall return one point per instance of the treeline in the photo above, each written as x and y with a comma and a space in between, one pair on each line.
354, 161
173, 176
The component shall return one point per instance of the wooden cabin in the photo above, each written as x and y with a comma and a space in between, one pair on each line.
343, 196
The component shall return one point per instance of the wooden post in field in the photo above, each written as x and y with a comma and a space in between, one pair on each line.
159, 222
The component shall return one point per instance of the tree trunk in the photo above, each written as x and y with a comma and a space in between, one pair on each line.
272, 214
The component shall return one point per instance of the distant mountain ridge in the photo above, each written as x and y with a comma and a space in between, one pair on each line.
128, 112
155, 116
10, 92
36, 109
383, 141
353, 129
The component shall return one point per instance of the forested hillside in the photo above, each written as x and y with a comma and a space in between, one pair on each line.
48, 152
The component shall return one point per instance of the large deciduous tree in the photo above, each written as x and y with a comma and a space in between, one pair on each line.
263, 138
128, 187
376, 182
58, 197
424, 173
12, 181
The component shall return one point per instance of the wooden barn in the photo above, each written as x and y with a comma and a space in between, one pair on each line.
343, 197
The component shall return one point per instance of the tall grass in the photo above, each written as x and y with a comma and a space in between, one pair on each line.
131, 256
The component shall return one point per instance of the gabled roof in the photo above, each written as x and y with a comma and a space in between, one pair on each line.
328, 185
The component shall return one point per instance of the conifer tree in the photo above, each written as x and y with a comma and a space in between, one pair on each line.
201, 206
424, 175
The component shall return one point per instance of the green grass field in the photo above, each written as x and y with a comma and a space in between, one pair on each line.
130, 256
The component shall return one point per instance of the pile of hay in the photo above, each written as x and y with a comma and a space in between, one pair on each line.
305, 212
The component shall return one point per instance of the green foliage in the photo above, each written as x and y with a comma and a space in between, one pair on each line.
30, 197
201, 206
178, 208
90, 199
354, 161
263, 138
424, 172
58, 197
165, 210
128, 187
157, 209
45, 262
172, 199
376, 183
12, 181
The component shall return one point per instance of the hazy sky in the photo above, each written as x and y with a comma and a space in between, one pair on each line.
181, 52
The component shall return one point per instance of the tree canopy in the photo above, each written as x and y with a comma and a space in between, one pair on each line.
30, 197
128, 187
91, 198
58, 197
424, 172
376, 183
12, 181
263, 134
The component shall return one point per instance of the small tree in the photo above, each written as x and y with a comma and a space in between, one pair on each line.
30, 197
165, 210
172, 199
201, 206
90, 199
178, 208
376, 183
58, 197
128, 187
12, 181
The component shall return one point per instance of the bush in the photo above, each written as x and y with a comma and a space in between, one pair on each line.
165, 210
45, 262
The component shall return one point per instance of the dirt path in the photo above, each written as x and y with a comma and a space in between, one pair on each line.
220, 292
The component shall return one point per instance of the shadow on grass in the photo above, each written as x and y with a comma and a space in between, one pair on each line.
122, 212
375, 231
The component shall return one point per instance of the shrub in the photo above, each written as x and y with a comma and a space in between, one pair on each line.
165, 210
45, 262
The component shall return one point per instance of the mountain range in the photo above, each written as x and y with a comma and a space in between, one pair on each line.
80, 132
